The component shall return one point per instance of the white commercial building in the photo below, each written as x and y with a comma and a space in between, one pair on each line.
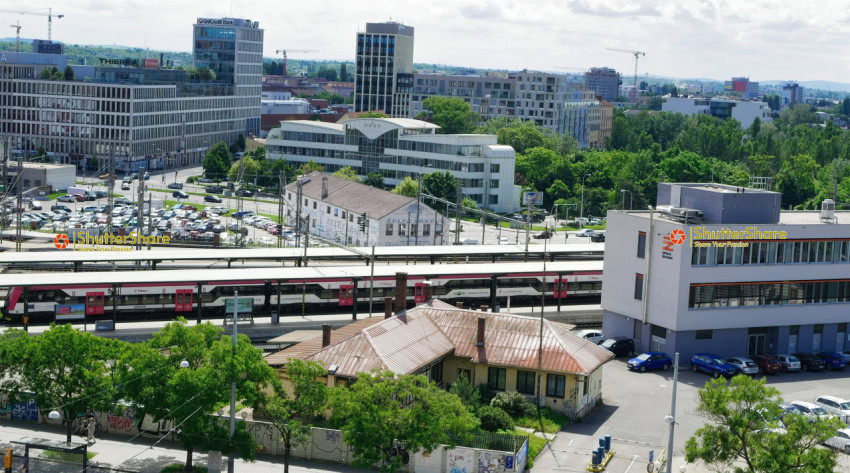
335, 206
400, 147
744, 111
720, 269
57, 176
277, 107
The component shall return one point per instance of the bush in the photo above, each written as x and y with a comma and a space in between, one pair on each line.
513, 403
485, 393
494, 419
467, 393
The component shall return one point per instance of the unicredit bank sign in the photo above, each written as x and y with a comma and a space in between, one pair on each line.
216, 21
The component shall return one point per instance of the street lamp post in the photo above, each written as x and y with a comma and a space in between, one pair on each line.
631, 198
581, 212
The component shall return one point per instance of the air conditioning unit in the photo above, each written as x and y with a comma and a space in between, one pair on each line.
827, 211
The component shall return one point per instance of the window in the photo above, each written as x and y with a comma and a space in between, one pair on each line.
426, 229
704, 335
555, 385
314, 205
641, 247
525, 382
329, 210
496, 378
389, 229
639, 286
637, 330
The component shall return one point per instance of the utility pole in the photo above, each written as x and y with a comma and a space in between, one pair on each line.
19, 202
240, 201
4, 156
110, 197
232, 456
459, 200
418, 208
281, 183
140, 198
671, 419
298, 214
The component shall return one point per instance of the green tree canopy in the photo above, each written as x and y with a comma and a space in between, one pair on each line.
408, 187
347, 172
309, 167
381, 410
372, 115
69, 73
217, 161
251, 168
453, 115
374, 179
744, 433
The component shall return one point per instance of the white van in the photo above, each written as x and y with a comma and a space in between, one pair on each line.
470, 241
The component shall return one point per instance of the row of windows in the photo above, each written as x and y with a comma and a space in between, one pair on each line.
525, 382
768, 294
774, 252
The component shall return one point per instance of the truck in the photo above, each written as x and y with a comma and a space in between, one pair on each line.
77, 191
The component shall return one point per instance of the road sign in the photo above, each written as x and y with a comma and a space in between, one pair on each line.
651, 455
650, 467
245, 305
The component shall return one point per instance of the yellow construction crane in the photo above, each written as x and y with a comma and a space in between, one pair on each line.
17, 27
636, 54
284, 51
49, 16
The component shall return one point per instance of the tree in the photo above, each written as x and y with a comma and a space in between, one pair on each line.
441, 184
744, 431
65, 369
408, 187
240, 142
94, 162
382, 410
292, 413
217, 161
643, 85
453, 115
674, 92
187, 396
45, 74
372, 115
467, 393
343, 74
374, 179
205, 74
250, 169
69, 73
347, 172
309, 167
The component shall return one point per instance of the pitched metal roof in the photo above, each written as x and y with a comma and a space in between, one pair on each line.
354, 196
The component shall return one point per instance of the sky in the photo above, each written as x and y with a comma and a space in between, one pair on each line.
713, 39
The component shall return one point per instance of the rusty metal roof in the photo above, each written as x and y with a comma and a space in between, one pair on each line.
406, 343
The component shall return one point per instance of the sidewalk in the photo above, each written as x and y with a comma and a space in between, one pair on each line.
139, 455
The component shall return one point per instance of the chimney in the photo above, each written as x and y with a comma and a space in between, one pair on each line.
324, 187
400, 292
481, 322
326, 335
459, 305
388, 307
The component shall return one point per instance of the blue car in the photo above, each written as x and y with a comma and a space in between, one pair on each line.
833, 360
651, 360
711, 364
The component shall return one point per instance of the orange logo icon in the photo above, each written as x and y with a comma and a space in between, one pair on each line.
60, 241
677, 236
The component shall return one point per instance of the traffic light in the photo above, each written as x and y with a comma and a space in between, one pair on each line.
362, 221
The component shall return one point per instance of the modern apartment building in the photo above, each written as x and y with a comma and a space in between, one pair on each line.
148, 116
604, 81
490, 97
540, 97
742, 85
743, 111
739, 278
402, 147
791, 93
383, 77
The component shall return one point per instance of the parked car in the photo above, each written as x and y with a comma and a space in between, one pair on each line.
596, 221
846, 354
175, 185
504, 241
788, 409
242, 214
651, 360
59, 208
594, 336
214, 190
125, 186
833, 360
147, 176
841, 441
584, 233
789, 362
743, 365
543, 235
767, 364
212, 198
836, 406
205, 180
809, 361
180, 194
620, 346
711, 364
66, 198
811, 410
123, 201
244, 193
598, 237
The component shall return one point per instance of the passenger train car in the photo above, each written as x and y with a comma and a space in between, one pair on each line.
291, 290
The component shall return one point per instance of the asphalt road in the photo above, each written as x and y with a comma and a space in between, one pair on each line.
633, 409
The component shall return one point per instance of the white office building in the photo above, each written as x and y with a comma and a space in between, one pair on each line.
744, 111
383, 69
745, 280
335, 207
401, 147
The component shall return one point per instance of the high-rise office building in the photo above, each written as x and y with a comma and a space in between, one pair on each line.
383, 78
604, 81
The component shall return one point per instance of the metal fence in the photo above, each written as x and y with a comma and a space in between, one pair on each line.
493, 441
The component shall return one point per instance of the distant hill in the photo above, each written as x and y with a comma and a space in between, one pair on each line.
815, 84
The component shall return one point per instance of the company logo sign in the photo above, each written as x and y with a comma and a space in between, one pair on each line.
60, 241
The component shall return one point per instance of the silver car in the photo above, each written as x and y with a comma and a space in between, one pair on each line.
788, 362
743, 365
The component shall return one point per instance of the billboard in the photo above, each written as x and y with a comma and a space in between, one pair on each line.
245, 306
532, 198
151, 63
71, 312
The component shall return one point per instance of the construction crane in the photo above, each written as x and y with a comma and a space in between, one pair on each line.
284, 51
17, 27
49, 16
636, 54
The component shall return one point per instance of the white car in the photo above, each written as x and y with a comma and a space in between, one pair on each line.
841, 441
836, 406
743, 365
504, 241
811, 410
584, 233
594, 336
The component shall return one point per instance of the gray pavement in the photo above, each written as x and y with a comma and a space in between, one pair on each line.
141, 455
633, 409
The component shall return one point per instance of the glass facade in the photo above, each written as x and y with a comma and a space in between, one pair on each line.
767, 294
770, 252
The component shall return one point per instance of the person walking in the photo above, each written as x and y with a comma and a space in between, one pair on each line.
90, 426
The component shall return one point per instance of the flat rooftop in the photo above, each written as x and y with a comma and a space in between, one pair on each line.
786, 217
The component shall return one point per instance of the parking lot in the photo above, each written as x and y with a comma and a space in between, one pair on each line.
633, 409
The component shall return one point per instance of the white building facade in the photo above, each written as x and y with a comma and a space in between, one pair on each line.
398, 148
744, 111
383, 74
746, 280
